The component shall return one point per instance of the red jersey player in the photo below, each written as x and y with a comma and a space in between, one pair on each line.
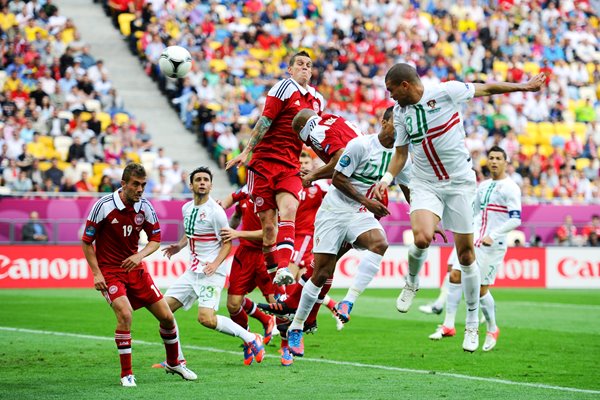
114, 224
247, 269
273, 172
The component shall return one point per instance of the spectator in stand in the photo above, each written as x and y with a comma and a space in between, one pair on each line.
76, 150
566, 233
593, 226
22, 184
105, 185
83, 185
94, 152
49, 186
592, 240
573, 146
34, 230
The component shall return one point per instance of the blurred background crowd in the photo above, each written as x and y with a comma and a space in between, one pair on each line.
64, 127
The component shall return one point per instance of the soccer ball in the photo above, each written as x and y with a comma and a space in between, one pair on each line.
175, 62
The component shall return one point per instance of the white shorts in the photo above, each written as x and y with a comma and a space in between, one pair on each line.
192, 286
451, 200
489, 260
333, 229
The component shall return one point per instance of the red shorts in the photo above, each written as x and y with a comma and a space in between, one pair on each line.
137, 285
266, 179
303, 255
248, 271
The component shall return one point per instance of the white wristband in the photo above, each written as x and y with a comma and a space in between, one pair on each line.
387, 178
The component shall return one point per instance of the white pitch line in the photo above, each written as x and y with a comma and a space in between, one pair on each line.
324, 361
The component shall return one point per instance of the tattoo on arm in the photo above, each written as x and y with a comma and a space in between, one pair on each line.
262, 126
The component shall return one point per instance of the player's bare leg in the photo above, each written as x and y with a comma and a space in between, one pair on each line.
375, 243
471, 281
168, 332
423, 223
287, 206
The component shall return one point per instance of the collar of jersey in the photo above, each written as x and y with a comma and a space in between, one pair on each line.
121, 205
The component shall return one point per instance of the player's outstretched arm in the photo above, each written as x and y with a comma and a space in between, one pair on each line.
135, 260
396, 165
261, 127
488, 89
343, 184
175, 248
90, 256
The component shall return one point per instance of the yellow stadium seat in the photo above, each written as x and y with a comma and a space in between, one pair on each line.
125, 23
218, 65
85, 116
562, 129
99, 168
259, 54
580, 129
528, 150
500, 67
582, 163
546, 150
62, 144
95, 181
104, 119
44, 165
427, 16
532, 129
48, 141
245, 21
531, 68
591, 67
214, 45
546, 129
216, 107
525, 140
133, 156
291, 25
121, 118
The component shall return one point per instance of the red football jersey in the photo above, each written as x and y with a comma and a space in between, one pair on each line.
310, 201
116, 229
284, 100
250, 220
327, 134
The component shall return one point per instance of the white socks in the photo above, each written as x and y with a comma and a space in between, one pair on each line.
367, 269
416, 259
454, 296
310, 292
488, 306
180, 356
471, 281
439, 302
227, 326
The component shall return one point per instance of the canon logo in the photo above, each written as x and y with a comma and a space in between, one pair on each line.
390, 268
43, 268
573, 268
165, 268
514, 269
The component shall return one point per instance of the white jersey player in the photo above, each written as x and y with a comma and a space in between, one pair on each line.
348, 214
428, 118
497, 212
203, 219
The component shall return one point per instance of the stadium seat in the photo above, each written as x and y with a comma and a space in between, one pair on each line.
85, 116
582, 163
68, 115
44, 165
546, 149
245, 21
104, 119
214, 45
514, 235
525, 140
580, 129
216, 107
95, 181
563, 130
84, 167
291, 25
125, 23
93, 105
218, 65
546, 129
500, 67
121, 118
48, 141
588, 92
62, 144
528, 150
99, 168
147, 159
3, 77
133, 156
531, 68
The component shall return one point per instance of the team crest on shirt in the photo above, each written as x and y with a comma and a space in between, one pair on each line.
431, 103
202, 217
312, 191
259, 201
112, 289
139, 219
316, 107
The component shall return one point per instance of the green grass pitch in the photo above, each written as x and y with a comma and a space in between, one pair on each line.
58, 344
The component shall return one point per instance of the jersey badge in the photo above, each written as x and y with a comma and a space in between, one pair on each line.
316, 106
202, 216
114, 221
90, 231
259, 201
312, 191
297, 103
431, 103
345, 161
139, 219
112, 289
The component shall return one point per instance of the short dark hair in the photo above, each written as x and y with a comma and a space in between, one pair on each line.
133, 169
595, 216
298, 54
198, 170
305, 154
388, 113
402, 72
498, 149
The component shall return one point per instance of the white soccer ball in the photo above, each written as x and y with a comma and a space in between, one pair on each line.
175, 62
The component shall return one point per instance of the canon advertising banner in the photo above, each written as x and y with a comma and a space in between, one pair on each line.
23, 266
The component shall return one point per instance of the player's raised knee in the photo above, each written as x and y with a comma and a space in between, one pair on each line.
423, 240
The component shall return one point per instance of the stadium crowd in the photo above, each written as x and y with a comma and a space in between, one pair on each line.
240, 49
63, 126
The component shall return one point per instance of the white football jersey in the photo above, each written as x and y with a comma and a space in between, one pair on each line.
202, 225
495, 202
434, 128
364, 161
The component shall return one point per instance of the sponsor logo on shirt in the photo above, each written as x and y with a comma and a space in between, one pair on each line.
90, 231
114, 221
